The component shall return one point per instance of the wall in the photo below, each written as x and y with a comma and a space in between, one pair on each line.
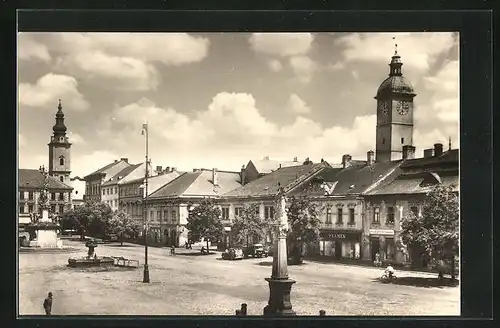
112, 198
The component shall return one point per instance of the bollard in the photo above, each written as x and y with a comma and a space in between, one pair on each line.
322, 313
243, 309
238, 312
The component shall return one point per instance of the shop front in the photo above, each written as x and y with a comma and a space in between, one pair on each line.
382, 243
341, 244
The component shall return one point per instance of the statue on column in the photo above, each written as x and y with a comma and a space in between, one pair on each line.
44, 193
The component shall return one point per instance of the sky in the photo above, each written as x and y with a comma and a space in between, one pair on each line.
222, 99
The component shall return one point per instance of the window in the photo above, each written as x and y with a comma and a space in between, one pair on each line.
238, 211
61, 178
383, 141
158, 214
21, 195
414, 210
376, 215
225, 213
165, 215
390, 215
269, 212
30, 208
257, 210
21, 209
61, 196
61, 160
30, 195
402, 141
53, 196
339, 215
174, 216
351, 216
152, 215
52, 208
116, 202
328, 215
61, 209
104, 191
115, 190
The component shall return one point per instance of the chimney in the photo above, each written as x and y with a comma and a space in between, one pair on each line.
438, 149
167, 169
215, 181
116, 161
242, 175
172, 169
408, 152
266, 158
346, 161
428, 152
295, 160
158, 169
124, 159
370, 157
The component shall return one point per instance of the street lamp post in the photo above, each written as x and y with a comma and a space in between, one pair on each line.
146, 268
279, 284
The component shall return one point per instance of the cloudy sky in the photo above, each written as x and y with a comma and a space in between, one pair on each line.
221, 99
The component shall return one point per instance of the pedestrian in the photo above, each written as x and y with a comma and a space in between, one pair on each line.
47, 304
172, 250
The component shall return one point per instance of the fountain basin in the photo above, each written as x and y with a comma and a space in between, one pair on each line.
85, 262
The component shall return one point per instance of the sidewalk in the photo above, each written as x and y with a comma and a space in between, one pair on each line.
364, 263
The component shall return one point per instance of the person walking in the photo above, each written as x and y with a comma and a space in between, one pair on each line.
47, 304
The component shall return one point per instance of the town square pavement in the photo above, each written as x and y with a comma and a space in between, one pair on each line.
187, 284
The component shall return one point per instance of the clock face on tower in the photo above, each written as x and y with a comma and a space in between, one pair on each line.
402, 107
383, 107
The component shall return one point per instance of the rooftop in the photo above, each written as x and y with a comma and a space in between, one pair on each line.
120, 175
29, 178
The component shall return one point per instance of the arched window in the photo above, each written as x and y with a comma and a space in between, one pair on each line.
61, 160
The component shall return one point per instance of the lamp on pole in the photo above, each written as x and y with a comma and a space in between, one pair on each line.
279, 284
146, 268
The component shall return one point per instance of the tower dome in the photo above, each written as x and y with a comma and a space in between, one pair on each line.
396, 83
59, 127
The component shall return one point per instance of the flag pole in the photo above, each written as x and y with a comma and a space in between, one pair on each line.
146, 228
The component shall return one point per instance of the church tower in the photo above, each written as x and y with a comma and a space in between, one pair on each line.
394, 113
60, 150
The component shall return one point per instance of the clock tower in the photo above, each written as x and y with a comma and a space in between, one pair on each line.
394, 114
59, 150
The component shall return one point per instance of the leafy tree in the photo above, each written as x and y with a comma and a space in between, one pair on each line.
249, 225
92, 217
304, 226
437, 229
204, 221
123, 226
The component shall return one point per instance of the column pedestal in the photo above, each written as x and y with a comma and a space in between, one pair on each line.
279, 298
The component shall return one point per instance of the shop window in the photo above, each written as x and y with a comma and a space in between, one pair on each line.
376, 215
328, 215
225, 213
414, 210
390, 215
340, 214
351, 216
269, 212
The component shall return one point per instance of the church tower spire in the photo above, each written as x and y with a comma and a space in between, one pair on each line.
60, 149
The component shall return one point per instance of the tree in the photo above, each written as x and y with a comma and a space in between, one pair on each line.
92, 217
437, 229
204, 221
123, 226
249, 225
304, 226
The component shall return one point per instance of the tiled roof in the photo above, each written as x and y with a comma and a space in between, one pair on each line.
34, 179
413, 183
158, 181
199, 183
447, 157
268, 165
354, 179
267, 185
106, 168
120, 175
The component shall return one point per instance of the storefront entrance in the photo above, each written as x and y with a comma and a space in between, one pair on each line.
338, 250
375, 246
341, 244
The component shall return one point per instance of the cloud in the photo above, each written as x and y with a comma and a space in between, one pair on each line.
281, 44
126, 61
49, 88
336, 67
28, 49
275, 65
419, 49
76, 138
86, 163
304, 67
297, 105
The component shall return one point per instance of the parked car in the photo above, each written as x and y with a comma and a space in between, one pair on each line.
232, 254
255, 250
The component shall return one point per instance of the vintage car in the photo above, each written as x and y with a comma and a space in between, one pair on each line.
232, 254
255, 250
